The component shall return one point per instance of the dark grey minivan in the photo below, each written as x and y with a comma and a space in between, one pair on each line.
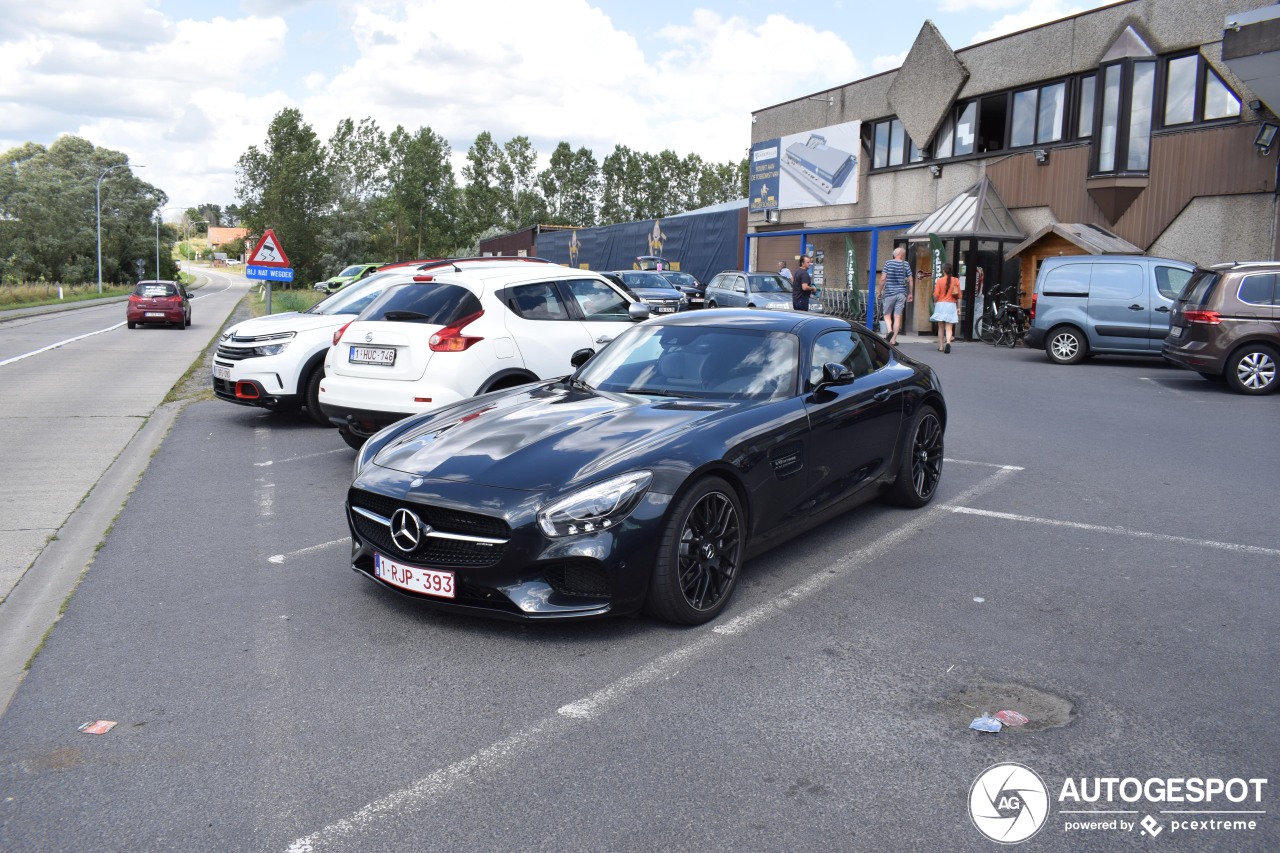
1104, 304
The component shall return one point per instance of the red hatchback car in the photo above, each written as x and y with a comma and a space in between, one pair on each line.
159, 302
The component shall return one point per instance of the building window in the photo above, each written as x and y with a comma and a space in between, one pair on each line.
966, 128
1084, 114
1195, 93
1038, 115
1124, 120
892, 146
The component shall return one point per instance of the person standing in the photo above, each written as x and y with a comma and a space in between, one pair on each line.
784, 272
895, 293
946, 292
802, 286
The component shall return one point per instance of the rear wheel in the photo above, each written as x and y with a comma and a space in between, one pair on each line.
311, 395
132, 325
354, 441
1066, 345
920, 468
699, 555
1252, 369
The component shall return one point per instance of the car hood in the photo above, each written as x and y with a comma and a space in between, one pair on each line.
290, 321
544, 438
646, 293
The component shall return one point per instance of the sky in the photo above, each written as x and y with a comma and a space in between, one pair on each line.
184, 88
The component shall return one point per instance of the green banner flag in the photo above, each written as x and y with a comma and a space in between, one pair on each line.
857, 308
939, 253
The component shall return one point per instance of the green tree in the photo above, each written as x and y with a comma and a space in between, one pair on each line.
485, 201
518, 179
285, 186
422, 194
357, 164
570, 186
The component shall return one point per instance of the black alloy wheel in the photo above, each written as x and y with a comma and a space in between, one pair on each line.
921, 466
700, 555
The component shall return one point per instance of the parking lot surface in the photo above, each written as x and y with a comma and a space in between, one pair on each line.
1102, 556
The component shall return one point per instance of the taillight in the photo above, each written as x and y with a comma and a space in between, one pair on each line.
1034, 297
337, 336
424, 278
175, 298
135, 298
1208, 318
451, 339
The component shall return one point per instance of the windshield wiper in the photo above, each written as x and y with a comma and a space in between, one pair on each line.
664, 392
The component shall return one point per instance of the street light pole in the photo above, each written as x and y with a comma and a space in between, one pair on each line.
189, 224
160, 216
97, 197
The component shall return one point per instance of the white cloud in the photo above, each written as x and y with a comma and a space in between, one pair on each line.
888, 63
966, 5
1037, 12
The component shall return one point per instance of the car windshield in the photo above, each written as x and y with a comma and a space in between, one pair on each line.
769, 284
646, 279
350, 271
436, 304
354, 298
705, 362
680, 278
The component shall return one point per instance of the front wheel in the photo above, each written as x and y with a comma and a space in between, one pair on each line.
699, 555
920, 468
1252, 370
1066, 345
311, 395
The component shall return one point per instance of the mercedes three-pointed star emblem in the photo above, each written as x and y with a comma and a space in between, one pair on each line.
406, 530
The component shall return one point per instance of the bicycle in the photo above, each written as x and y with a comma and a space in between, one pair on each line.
1003, 322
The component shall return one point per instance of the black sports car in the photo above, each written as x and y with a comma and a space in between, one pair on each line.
648, 477
694, 291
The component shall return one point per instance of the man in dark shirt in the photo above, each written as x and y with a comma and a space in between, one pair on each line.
802, 286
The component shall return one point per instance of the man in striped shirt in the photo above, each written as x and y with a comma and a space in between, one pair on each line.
895, 293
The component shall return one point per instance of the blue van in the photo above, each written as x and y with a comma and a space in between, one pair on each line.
1104, 304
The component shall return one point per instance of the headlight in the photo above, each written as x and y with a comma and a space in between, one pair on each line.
594, 508
271, 349
364, 456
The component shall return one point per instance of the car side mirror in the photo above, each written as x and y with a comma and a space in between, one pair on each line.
581, 357
638, 311
834, 373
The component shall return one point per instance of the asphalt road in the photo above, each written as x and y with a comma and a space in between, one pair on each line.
1102, 556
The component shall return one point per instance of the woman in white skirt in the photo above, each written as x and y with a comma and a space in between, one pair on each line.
946, 291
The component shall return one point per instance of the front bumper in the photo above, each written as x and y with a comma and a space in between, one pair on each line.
258, 381
528, 577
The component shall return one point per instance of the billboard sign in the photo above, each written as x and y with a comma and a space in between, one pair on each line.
810, 169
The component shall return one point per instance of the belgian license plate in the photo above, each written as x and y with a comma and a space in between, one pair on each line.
1178, 331
372, 355
153, 313
665, 309
220, 372
414, 578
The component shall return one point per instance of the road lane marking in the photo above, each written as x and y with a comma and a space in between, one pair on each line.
280, 558
442, 782
270, 462
1119, 531
948, 460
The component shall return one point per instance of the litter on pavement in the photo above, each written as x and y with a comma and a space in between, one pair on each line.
1011, 718
98, 727
986, 723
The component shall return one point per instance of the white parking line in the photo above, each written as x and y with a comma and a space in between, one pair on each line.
1119, 531
443, 781
270, 462
280, 558
948, 460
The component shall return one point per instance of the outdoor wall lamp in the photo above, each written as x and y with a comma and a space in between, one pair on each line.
1042, 155
1266, 137
935, 170
773, 216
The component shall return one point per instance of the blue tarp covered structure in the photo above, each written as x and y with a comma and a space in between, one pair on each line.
701, 243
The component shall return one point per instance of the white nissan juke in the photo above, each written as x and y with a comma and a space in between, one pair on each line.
461, 331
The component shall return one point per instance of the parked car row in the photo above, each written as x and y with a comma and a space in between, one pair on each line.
1222, 322
487, 481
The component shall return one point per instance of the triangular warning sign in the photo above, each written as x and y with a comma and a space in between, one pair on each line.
269, 252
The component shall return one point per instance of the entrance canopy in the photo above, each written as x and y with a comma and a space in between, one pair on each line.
976, 213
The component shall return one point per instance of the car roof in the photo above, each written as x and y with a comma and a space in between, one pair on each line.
1245, 265
501, 276
751, 318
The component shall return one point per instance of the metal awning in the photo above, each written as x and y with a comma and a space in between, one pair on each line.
977, 212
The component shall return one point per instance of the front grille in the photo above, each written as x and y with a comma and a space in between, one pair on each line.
580, 578
431, 551
235, 353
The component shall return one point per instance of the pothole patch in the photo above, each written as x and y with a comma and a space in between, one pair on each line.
1042, 709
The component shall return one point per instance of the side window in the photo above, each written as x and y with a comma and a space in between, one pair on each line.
843, 347
877, 349
1258, 289
597, 300
539, 301
1115, 281
1171, 280
740, 284
1066, 280
716, 282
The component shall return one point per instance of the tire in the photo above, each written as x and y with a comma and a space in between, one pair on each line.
920, 468
699, 555
982, 329
188, 319
1252, 370
355, 442
132, 325
1066, 345
712, 304
311, 395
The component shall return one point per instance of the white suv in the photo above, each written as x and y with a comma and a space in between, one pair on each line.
277, 361
465, 332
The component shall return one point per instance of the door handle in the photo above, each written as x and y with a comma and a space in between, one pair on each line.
881, 396
1136, 307
604, 339
1163, 309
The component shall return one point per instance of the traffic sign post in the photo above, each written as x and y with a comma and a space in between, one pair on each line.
269, 263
